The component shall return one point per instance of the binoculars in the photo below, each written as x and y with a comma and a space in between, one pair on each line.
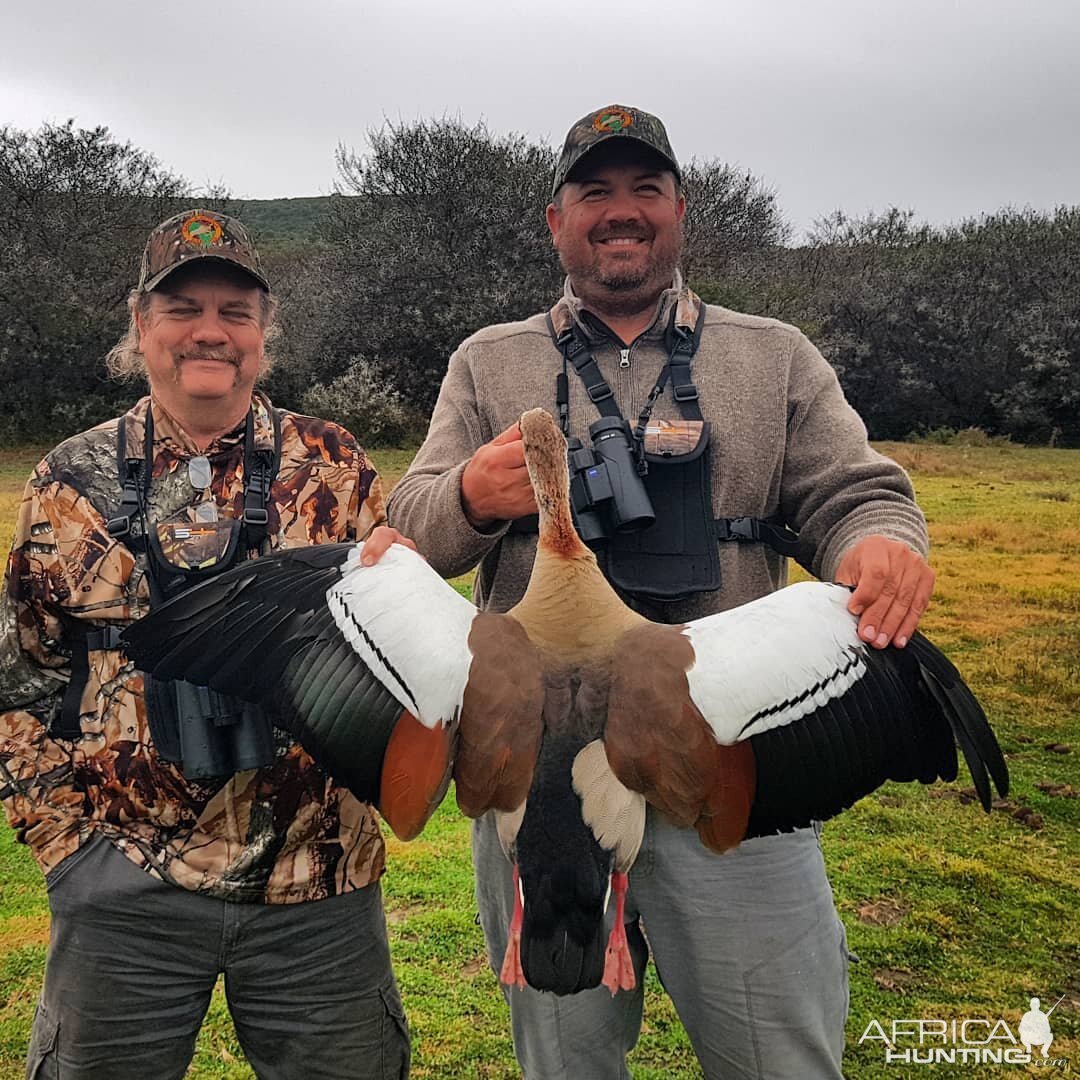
607, 494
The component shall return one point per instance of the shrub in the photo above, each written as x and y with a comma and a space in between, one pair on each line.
363, 401
947, 436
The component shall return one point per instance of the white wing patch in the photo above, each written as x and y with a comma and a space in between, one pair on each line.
507, 824
615, 814
409, 627
770, 662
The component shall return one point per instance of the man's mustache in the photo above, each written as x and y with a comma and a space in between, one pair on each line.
224, 355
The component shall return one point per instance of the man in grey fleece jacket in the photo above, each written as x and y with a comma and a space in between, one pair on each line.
747, 944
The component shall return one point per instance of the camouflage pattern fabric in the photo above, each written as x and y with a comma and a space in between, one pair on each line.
687, 309
281, 834
197, 234
612, 122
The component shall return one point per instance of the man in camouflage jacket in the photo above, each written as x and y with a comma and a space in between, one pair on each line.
158, 883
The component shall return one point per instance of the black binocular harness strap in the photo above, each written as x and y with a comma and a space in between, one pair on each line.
260, 471
129, 526
681, 347
576, 353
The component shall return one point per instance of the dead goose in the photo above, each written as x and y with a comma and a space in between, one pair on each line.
569, 712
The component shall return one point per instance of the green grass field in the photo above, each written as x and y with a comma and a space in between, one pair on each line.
953, 913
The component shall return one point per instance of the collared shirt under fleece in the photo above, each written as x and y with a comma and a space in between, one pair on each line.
786, 447
280, 834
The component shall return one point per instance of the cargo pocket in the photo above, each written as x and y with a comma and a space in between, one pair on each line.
396, 1046
66, 865
41, 1061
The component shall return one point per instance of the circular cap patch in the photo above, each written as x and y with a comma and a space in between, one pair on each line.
612, 119
201, 231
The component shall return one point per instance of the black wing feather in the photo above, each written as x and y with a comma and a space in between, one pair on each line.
262, 632
901, 721
295, 580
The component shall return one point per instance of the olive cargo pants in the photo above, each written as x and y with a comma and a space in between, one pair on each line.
133, 961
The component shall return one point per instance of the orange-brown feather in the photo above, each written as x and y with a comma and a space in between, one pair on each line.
724, 817
415, 774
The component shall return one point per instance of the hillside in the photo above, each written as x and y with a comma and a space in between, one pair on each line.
277, 223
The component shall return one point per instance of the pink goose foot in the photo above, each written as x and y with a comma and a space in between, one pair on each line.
618, 964
512, 973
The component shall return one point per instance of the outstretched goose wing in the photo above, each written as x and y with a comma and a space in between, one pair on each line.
774, 714
366, 666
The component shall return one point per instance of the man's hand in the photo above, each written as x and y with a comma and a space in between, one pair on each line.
495, 485
892, 589
378, 543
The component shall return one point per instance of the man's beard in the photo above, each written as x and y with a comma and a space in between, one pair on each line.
622, 291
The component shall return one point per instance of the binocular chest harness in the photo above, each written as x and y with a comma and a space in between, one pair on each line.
210, 734
642, 498
167, 574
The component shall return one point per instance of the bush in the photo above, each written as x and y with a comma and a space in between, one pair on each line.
947, 436
437, 230
362, 400
971, 325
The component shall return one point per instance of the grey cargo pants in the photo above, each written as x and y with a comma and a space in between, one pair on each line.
132, 963
748, 945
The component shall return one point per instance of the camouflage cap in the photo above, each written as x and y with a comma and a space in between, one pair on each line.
614, 121
198, 234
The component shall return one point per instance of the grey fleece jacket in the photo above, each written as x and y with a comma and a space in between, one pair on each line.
786, 447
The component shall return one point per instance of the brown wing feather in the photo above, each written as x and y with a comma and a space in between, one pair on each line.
658, 742
499, 734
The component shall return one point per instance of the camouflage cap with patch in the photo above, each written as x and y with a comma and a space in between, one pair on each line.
614, 121
198, 234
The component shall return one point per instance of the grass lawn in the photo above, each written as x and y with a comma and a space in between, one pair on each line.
953, 913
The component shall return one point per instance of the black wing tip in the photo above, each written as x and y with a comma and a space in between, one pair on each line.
966, 717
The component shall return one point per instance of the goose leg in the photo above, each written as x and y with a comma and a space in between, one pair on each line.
512, 974
618, 964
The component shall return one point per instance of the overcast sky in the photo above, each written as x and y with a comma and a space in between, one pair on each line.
949, 107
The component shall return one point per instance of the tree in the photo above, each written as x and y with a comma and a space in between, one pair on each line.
730, 216
972, 325
436, 231
75, 210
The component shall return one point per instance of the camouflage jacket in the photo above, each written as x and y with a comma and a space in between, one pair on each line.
280, 834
